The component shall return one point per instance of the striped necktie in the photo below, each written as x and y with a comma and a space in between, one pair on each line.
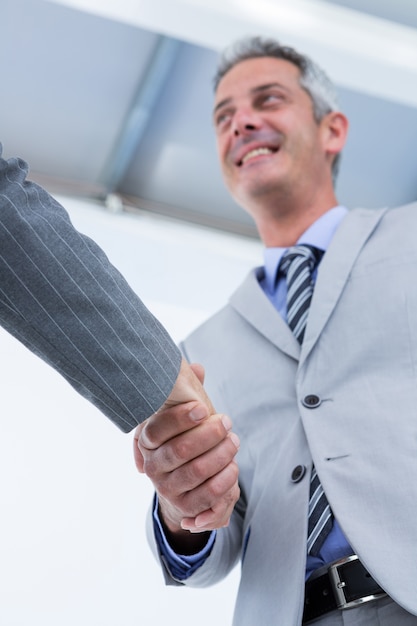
297, 265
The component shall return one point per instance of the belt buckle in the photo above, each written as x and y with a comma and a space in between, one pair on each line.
338, 585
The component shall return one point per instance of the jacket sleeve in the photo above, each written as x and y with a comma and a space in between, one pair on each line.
62, 298
225, 553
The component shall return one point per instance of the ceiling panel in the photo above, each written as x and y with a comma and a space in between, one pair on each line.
68, 78
401, 12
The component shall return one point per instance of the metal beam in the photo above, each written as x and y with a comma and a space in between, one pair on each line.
137, 118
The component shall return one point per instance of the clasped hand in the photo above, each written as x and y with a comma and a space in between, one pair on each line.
189, 456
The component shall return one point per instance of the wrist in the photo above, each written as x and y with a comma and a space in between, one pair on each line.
187, 388
181, 541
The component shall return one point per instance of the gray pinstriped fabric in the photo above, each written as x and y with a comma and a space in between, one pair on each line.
297, 265
62, 298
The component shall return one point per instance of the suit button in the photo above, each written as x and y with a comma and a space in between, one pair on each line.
298, 473
311, 401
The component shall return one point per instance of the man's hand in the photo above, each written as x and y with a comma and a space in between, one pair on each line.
188, 386
189, 456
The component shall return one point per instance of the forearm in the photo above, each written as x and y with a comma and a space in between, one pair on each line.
64, 300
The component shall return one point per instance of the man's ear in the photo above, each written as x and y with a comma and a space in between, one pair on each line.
335, 127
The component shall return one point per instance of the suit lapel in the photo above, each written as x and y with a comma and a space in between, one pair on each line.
251, 303
335, 268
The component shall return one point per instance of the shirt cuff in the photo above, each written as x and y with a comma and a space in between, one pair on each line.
180, 566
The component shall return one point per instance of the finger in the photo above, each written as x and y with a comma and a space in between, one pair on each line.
187, 453
219, 515
169, 423
187, 388
215, 517
219, 494
208, 520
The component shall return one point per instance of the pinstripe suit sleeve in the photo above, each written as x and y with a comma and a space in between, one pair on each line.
62, 298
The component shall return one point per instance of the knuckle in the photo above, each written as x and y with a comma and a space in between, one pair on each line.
234, 471
198, 470
180, 450
215, 428
191, 477
149, 466
146, 437
227, 451
220, 429
224, 485
216, 488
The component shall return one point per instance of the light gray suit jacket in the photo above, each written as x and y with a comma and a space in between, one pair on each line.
359, 356
62, 298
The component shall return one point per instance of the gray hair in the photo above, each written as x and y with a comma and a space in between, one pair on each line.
313, 78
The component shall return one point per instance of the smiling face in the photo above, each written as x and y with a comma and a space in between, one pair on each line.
269, 143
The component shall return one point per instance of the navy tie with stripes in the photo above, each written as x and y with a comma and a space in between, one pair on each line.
297, 265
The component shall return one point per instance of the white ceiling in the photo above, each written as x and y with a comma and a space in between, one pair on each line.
349, 43
102, 96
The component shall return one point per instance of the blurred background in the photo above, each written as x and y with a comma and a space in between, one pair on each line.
105, 97
110, 103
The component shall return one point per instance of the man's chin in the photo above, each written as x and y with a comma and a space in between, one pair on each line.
256, 192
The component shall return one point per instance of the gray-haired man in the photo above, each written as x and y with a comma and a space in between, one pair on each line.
324, 408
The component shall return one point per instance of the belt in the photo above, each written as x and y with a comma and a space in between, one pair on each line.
345, 584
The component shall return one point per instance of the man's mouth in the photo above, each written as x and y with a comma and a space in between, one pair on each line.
255, 153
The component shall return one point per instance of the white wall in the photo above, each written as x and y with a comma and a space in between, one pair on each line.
72, 542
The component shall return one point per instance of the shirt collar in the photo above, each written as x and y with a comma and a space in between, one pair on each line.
319, 235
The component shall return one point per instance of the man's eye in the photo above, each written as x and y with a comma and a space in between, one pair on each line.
222, 119
272, 98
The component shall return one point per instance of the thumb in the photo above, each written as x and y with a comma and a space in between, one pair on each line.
198, 370
139, 460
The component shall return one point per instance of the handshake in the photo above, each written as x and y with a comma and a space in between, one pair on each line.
188, 451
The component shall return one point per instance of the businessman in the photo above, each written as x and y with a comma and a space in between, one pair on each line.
315, 358
61, 297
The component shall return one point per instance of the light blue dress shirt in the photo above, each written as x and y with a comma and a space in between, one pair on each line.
335, 546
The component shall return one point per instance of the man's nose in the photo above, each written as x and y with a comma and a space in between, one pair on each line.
245, 122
